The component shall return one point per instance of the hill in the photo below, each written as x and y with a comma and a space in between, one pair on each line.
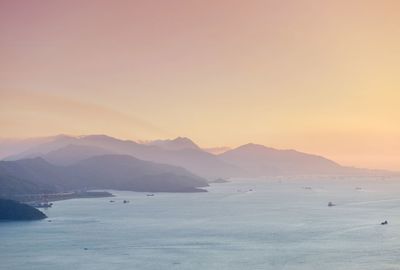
71, 153
260, 160
100, 172
15, 211
124, 172
178, 143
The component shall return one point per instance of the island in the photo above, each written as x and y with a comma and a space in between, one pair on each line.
15, 211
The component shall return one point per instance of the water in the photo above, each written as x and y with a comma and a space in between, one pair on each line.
278, 225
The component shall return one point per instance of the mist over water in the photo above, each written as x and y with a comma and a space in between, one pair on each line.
277, 223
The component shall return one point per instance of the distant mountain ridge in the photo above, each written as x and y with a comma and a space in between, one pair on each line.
180, 152
261, 160
100, 172
178, 143
244, 161
72, 153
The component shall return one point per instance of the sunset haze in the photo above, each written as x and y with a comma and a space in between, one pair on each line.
321, 77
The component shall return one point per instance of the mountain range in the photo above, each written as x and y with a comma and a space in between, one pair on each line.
182, 152
64, 162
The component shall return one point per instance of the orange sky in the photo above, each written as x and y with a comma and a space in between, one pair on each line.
319, 76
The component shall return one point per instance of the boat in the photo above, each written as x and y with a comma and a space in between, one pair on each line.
330, 204
384, 223
149, 195
126, 201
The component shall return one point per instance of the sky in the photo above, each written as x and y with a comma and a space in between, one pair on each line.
317, 76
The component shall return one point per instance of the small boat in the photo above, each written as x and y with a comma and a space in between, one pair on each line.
149, 195
384, 223
112, 201
330, 204
126, 201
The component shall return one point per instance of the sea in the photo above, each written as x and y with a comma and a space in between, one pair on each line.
264, 223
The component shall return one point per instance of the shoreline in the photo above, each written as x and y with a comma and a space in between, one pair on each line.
61, 196
53, 197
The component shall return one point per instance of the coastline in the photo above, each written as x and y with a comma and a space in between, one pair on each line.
26, 198
53, 197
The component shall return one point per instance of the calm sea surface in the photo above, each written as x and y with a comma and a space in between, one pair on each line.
244, 224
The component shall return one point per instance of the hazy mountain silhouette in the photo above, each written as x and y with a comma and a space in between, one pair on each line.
10, 185
45, 176
186, 154
101, 172
70, 154
192, 158
41, 147
10, 147
128, 173
260, 160
246, 160
178, 143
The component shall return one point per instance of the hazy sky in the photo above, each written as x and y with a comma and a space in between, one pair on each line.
318, 76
